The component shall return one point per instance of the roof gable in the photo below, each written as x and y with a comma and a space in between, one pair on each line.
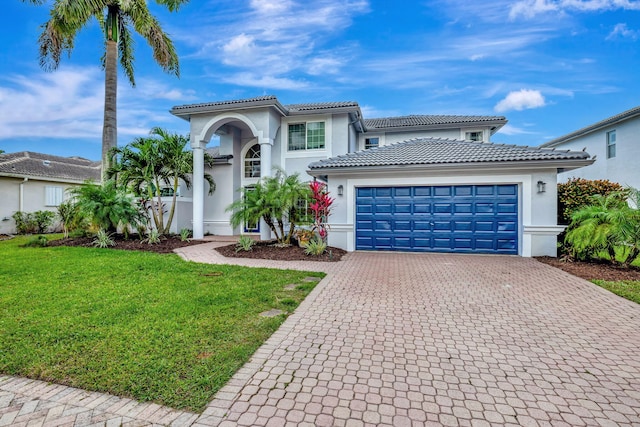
439, 151
625, 115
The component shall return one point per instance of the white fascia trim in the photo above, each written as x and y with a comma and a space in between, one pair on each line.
44, 178
545, 230
359, 170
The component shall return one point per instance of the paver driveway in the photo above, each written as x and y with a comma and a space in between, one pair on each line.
415, 339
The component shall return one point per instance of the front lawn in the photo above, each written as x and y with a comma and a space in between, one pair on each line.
627, 289
143, 325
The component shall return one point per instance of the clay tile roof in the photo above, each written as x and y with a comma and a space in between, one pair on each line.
30, 164
431, 151
428, 120
320, 106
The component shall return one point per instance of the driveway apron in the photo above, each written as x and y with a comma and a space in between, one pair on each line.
405, 339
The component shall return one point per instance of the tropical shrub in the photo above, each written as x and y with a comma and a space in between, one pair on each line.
320, 205
275, 200
578, 192
185, 235
71, 217
315, 247
607, 226
44, 220
37, 242
33, 222
153, 237
25, 222
103, 239
245, 243
107, 207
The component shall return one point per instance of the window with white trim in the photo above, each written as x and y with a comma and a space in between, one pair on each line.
371, 143
252, 162
54, 196
611, 144
474, 136
306, 136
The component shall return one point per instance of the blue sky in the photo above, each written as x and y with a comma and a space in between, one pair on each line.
549, 66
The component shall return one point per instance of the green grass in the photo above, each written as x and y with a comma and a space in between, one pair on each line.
147, 326
626, 289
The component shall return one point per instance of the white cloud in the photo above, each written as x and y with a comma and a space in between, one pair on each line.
513, 130
523, 99
264, 81
239, 50
531, 8
69, 104
278, 39
623, 31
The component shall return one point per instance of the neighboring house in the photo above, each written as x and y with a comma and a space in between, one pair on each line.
413, 183
32, 182
614, 143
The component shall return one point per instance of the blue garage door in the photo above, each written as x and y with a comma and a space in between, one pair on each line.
461, 218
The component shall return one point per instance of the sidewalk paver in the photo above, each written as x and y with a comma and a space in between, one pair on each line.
397, 339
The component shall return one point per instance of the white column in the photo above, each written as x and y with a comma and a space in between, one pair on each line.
265, 170
198, 188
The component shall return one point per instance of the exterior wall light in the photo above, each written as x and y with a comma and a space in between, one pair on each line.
542, 186
340, 190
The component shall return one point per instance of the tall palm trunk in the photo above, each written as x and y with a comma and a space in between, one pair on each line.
110, 125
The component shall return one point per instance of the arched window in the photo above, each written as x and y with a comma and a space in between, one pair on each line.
252, 162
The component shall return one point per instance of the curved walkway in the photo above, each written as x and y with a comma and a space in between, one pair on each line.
413, 339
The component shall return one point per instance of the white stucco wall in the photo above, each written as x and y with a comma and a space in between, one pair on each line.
622, 168
33, 198
537, 211
391, 137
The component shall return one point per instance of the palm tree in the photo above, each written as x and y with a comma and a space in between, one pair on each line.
274, 199
177, 165
119, 20
146, 165
608, 225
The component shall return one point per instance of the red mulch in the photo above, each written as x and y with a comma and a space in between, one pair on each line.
267, 250
133, 243
594, 270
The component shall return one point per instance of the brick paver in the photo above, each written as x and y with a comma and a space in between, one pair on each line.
406, 339
432, 339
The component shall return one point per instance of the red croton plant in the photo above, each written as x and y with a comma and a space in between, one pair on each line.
321, 207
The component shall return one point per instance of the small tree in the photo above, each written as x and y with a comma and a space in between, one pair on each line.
275, 200
321, 207
148, 164
106, 206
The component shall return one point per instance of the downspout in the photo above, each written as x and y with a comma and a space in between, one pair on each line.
21, 195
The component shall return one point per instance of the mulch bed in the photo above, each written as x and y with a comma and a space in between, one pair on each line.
267, 250
133, 243
593, 270
261, 250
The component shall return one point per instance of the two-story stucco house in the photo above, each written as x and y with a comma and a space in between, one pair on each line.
32, 182
613, 142
413, 183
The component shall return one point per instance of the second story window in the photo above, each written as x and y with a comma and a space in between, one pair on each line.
611, 144
252, 162
474, 136
371, 143
306, 136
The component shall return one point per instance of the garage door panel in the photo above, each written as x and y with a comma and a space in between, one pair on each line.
442, 208
463, 218
402, 208
421, 208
